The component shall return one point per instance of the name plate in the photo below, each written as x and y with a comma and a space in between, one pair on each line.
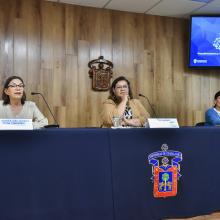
163, 123
16, 124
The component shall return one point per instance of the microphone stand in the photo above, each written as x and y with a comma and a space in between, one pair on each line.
149, 104
47, 126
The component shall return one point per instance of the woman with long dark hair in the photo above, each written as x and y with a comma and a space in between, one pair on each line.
121, 103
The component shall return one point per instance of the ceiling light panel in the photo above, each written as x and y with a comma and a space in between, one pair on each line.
90, 3
138, 6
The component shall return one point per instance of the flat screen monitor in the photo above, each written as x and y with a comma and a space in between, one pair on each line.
204, 42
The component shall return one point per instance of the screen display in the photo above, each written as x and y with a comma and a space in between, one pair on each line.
204, 41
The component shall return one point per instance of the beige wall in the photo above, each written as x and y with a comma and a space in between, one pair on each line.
50, 45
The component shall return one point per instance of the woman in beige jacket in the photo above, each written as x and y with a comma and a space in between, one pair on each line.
121, 103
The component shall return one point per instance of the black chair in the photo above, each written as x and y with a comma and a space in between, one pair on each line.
199, 124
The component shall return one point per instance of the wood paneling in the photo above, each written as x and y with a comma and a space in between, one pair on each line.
50, 45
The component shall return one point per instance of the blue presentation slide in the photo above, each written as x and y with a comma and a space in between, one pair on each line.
205, 42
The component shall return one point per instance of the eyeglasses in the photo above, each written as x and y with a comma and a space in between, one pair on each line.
15, 86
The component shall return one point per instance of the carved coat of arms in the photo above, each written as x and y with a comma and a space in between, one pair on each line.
101, 73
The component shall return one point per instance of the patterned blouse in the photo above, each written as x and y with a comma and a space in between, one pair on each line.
128, 112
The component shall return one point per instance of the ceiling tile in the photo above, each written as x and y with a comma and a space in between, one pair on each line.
179, 9
91, 3
139, 6
171, 8
211, 8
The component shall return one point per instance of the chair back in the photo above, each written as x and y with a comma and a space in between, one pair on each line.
199, 124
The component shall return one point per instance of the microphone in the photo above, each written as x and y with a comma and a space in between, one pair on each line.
47, 126
151, 106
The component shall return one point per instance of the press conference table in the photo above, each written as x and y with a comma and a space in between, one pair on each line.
103, 174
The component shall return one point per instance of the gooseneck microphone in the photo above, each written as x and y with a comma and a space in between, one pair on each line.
47, 126
151, 106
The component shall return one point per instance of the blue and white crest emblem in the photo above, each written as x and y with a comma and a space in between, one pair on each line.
216, 43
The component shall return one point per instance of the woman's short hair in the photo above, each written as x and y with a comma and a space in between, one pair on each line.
5, 97
217, 94
112, 95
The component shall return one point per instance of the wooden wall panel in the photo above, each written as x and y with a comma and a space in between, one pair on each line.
50, 45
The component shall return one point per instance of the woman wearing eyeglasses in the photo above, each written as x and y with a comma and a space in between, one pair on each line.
14, 104
121, 104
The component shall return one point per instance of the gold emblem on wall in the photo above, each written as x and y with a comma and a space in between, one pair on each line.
101, 73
